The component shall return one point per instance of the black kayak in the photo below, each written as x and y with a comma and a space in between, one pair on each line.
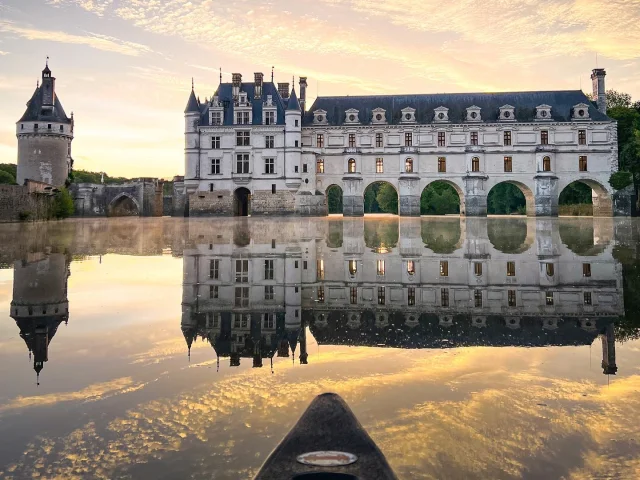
327, 443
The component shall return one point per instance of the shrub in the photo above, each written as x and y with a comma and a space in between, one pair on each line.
6, 178
620, 180
63, 204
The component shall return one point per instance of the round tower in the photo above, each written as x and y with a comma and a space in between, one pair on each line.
192, 139
293, 140
44, 136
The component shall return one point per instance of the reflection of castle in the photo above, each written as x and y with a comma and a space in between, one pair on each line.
406, 283
40, 301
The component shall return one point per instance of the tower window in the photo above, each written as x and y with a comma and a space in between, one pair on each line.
320, 140
586, 269
379, 140
549, 298
353, 295
411, 267
587, 298
297, 123
444, 297
351, 165
296, 143
304, 168
511, 269
477, 269
380, 270
444, 268
353, 267
508, 164
477, 297
61, 128
320, 166
408, 165
381, 296
411, 296
550, 269
320, 294
511, 298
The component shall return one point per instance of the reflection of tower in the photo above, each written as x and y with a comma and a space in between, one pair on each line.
40, 301
609, 366
303, 344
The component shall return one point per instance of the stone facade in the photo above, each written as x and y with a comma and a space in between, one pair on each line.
142, 198
23, 202
540, 142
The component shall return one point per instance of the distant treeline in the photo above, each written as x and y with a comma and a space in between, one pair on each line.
8, 173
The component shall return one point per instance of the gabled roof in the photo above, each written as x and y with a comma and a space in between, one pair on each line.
525, 104
35, 113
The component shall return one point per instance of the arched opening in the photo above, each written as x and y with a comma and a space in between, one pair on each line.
123, 206
441, 198
335, 234
351, 165
511, 198
241, 202
509, 235
442, 235
334, 199
585, 198
381, 197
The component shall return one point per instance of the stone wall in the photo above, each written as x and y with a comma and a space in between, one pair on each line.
17, 203
203, 204
142, 198
267, 203
313, 205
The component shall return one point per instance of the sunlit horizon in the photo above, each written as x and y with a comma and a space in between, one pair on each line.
124, 67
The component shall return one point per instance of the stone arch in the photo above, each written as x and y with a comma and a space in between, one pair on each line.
459, 190
381, 182
241, 202
123, 205
601, 197
334, 204
529, 197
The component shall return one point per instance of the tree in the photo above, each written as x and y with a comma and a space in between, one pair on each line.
387, 198
576, 193
6, 178
370, 202
439, 198
617, 99
334, 199
10, 168
505, 199
620, 180
63, 204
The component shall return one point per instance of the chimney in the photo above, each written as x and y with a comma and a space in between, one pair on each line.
236, 79
303, 94
283, 90
258, 80
599, 91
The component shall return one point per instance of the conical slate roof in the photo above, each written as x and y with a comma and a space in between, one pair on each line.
293, 103
193, 106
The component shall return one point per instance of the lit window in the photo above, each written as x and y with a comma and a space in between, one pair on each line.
442, 139
379, 165
320, 166
477, 297
269, 165
442, 164
546, 164
380, 268
549, 298
511, 295
411, 267
353, 295
582, 137
475, 164
320, 294
320, 269
444, 269
444, 297
408, 165
353, 267
408, 139
507, 138
474, 138
352, 140
508, 164
320, 140
511, 269
583, 163
586, 269
351, 166
477, 269
544, 137
381, 296
411, 296
550, 269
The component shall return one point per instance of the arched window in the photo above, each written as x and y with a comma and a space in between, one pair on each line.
408, 165
475, 164
546, 164
320, 166
351, 166
353, 267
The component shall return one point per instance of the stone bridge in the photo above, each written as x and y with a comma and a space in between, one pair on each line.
142, 198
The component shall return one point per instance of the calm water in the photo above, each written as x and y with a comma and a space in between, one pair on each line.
468, 348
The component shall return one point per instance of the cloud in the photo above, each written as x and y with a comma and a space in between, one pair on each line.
93, 40
95, 6
3, 53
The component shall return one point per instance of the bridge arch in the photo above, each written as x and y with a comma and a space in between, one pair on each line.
509, 204
333, 193
123, 205
601, 196
429, 185
380, 188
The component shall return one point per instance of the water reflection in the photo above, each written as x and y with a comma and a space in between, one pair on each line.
252, 292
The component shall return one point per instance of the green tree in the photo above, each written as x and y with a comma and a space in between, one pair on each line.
10, 168
387, 198
439, 198
370, 201
620, 180
334, 199
505, 199
6, 178
617, 99
575, 193
63, 204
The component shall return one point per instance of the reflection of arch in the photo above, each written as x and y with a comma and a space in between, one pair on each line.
600, 196
334, 194
241, 235
580, 237
381, 235
510, 235
526, 191
371, 204
241, 202
123, 205
442, 209
443, 235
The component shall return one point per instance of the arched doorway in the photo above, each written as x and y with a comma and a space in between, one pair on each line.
441, 198
334, 199
511, 198
241, 202
123, 206
381, 197
585, 198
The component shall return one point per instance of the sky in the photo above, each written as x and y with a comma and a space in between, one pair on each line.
124, 67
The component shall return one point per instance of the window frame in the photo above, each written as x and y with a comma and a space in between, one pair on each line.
269, 166
508, 164
475, 164
351, 140
242, 163
546, 163
442, 164
408, 165
243, 138
544, 137
442, 139
583, 163
506, 137
320, 140
215, 166
351, 166
473, 139
408, 139
379, 165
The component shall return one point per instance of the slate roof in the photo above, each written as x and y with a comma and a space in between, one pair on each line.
225, 96
525, 104
193, 106
293, 103
34, 112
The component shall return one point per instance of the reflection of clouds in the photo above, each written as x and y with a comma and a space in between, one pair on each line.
91, 393
495, 430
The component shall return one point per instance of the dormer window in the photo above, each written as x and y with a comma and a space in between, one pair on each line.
441, 115
379, 116
580, 112
543, 112
351, 116
269, 117
473, 114
320, 117
408, 115
242, 99
216, 117
243, 118
507, 113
